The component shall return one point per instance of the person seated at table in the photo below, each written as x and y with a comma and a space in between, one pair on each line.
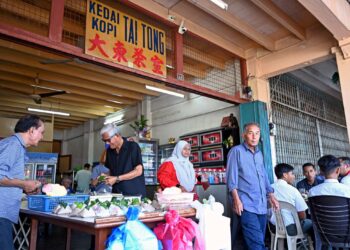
311, 179
345, 170
97, 181
330, 166
284, 191
67, 183
178, 171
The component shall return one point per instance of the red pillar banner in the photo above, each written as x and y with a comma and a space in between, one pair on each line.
115, 36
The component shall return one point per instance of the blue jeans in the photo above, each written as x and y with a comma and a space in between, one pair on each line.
253, 227
6, 238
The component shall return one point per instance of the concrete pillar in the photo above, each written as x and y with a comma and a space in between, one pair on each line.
261, 92
344, 77
88, 147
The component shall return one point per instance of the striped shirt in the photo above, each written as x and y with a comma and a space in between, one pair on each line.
12, 159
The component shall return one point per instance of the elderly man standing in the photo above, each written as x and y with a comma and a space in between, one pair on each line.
124, 160
29, 131
250, 187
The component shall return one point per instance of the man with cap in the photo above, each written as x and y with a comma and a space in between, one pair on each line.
124, 160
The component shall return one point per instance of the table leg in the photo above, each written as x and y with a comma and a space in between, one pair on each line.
33, 234
68, 239
101, 237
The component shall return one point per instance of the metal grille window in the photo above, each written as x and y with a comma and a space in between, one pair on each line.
209, 66
29, 15
308, 123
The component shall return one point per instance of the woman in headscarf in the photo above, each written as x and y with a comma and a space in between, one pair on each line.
177, 170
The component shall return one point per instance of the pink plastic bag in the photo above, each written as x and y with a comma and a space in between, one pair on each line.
178, 233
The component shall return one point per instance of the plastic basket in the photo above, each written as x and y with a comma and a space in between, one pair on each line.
46, 203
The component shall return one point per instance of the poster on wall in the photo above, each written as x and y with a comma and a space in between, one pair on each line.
123, 39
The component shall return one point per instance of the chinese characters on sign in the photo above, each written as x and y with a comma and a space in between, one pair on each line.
115, 36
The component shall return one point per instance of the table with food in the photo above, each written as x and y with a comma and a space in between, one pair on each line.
98, 215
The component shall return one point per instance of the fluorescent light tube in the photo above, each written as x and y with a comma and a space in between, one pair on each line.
48, 111
220, 3
164, 91
115, 101
114, 119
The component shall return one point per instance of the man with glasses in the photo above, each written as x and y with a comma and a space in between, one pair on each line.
124, 160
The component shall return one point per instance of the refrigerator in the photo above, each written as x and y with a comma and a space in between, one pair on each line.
149, 152
165, 152
41, 167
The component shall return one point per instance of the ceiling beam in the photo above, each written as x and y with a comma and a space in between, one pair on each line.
282, 18
53, 77
69, 89
47, 117
69, 100
234, 23
117, 75
83, 74
316, 48
334, 15
18, 102
163, 12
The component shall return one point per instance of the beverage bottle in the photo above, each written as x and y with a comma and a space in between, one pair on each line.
210, 177
216, 177
204, 176
224, 177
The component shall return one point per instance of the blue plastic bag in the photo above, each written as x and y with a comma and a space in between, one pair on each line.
133, 235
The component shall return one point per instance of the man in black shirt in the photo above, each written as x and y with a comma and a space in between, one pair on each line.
124, 160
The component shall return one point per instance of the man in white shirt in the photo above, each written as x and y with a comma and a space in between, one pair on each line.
330, 166
83, 178
284, 191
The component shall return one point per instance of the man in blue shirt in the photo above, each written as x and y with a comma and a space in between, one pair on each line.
310, 180
250, 188
29, 131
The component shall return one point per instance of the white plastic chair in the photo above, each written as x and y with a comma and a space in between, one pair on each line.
281, 232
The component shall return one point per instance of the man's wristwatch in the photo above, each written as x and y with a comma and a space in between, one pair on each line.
118, 179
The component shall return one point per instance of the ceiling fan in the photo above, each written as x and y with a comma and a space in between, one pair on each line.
37, 98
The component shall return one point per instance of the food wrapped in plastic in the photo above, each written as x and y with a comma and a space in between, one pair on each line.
77, 207
54, 190
115, 210
62, 208
132, 235
87, 212
179, 233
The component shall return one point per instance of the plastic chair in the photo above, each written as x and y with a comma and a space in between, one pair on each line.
281, 232
331, 217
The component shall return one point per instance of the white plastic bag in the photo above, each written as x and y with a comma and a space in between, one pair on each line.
215, 227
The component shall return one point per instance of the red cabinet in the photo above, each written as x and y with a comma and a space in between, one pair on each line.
212, 155
195, 157
211, 138
193, 140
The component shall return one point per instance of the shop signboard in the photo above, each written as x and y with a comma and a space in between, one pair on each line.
123, 39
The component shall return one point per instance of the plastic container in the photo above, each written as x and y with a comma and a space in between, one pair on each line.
175, 201
46, 203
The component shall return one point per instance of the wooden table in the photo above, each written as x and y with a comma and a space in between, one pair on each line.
100, 227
